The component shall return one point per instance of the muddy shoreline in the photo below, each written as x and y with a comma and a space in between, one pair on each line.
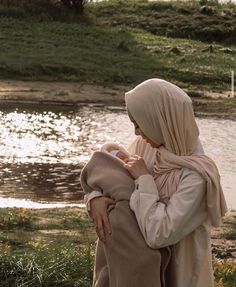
206, 103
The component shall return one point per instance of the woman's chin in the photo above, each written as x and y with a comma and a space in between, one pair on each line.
147, 141
152, 144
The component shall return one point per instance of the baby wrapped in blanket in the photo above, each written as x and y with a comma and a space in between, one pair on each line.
125, 260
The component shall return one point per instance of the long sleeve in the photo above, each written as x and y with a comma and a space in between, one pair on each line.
88, 197
163, 225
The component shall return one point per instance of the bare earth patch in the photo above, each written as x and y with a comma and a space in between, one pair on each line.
206, 103
223, 245
61, 92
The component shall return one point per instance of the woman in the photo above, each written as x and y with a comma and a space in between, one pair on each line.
178, 196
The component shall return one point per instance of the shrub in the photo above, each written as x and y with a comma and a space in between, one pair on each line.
225, 273
17, 217
64, 10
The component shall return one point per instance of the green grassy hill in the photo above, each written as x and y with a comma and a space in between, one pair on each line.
119, 42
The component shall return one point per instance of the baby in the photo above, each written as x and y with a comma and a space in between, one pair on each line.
106, 173
115, 150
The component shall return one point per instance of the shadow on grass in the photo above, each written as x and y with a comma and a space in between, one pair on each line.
56, 51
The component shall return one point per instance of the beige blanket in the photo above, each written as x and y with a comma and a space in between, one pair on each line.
125, 260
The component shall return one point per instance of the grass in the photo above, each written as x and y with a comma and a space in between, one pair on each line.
14, 218
46, 265
99, 50
56, 248
225, 273
85, 53
201, 20
226, 107
231, 234
51, 248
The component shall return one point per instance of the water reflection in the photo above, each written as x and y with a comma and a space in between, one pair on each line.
219, 140
41, 181
42, 148
66, 136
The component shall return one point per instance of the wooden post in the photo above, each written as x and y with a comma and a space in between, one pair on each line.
232, 83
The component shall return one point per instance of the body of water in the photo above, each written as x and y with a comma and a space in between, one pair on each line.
43, 148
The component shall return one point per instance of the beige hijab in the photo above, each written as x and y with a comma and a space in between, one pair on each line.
164, 113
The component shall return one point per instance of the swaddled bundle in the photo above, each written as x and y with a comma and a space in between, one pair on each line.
125, 260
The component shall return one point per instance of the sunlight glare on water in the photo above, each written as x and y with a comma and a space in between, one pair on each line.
42, 149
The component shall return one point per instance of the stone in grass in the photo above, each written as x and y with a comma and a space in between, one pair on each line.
209, 49
207, 10
227, 50
233, 254
175, 50
124, 46
182, 60
195, 94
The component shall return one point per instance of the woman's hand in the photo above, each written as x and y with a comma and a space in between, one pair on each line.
99, 215
136, 166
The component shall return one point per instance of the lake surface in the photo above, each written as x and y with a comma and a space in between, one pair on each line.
43, 148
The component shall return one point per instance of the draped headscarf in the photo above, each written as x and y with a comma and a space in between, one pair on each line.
164, 113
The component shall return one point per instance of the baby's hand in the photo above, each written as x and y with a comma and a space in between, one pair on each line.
121, 155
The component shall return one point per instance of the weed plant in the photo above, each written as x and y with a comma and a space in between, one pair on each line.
47, 266
225, 273
57, 250
15, 218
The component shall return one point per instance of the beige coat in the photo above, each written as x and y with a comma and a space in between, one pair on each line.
125, 260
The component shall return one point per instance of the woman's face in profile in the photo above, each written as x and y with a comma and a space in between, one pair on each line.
138, 132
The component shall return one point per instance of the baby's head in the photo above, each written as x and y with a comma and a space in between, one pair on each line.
115, 150
120, 154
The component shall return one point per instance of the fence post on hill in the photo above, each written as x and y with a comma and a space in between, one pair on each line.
232, 84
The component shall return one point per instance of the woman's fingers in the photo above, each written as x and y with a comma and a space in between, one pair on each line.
100, 216
135, 156
107, 224
100, 229
136, 166
103, 224
132, 159
109, 201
